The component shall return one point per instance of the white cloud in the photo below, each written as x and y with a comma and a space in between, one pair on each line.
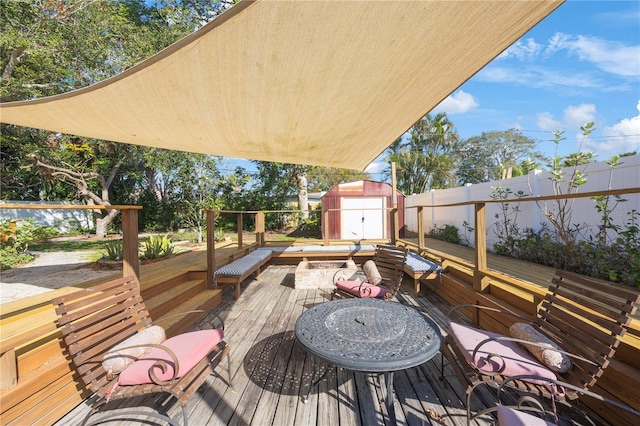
610, 56
538, 77
573, 117
576, 116
624, 136
376, 167
457, 103
545, 121
522, 50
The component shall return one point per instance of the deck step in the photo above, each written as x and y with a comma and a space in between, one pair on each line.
205, 300
175, 295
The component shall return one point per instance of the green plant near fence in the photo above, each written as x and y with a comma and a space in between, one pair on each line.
113, 250
156, 247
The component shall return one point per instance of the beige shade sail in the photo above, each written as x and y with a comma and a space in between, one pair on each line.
329, 83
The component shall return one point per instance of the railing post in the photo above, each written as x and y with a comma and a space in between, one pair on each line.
239, 228
211, 248
130, 260
326, 229
420, 228
480, 280
395, 220
260, 228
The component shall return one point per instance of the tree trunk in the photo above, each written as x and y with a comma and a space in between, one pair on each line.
303, 195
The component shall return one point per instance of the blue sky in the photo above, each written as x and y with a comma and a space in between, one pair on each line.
580, 64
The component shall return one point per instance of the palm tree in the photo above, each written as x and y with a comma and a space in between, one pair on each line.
424, 159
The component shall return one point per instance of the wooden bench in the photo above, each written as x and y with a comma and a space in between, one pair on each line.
237, 271
583, 316
294, 254
419, 268
96, 319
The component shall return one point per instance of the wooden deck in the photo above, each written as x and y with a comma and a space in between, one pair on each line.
271, 371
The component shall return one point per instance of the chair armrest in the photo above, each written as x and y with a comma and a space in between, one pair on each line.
341, 275
160, 363
522, 342
485, 308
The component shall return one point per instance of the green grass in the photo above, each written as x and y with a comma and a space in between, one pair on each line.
68, 246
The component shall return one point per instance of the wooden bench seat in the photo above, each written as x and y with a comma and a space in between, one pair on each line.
419, 268
237, 271
94, 320
583, 316
294, 254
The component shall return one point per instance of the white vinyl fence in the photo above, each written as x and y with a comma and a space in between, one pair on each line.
627, 175
64, 220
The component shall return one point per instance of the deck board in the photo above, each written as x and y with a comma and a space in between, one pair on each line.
271, 370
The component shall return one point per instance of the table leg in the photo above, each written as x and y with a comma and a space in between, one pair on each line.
314, 382
388, 381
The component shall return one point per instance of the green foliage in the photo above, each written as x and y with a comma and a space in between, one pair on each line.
18, 233
506, 226
10, 257
15, 238
489, 156
157, 246
448, 233
426, 160
219, 235
612, 253
113, 250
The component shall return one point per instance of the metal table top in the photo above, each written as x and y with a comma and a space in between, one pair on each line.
368, 335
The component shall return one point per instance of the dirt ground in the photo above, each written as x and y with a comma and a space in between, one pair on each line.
47, 272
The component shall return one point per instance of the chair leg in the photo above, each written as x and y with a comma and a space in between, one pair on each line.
229, 368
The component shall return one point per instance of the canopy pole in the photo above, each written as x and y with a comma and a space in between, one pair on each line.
395, 222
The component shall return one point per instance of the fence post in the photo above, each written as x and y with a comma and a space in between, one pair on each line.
420, 228
395, 220
130, 260
480, 280
239, 228
326, 229
211, 248
260, 228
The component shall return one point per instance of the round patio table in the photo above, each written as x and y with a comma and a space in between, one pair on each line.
368, 335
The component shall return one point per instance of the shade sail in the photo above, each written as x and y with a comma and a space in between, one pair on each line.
330, 83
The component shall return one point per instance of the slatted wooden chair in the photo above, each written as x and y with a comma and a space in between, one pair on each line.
382, 281
95, 320
531, 412
583, 317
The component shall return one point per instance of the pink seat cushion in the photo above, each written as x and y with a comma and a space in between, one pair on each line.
362, 289
510, 417
189, 348
516, 359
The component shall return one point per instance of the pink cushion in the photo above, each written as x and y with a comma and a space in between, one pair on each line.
189, 348
510, 417
362, 289
516, 359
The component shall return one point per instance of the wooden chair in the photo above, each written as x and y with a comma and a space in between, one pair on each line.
529, 412
389, 261
583, 316
96, 319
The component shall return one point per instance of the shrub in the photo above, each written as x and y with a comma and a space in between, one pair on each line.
156, 247
10, 258
448, 233
114, 250
218, 234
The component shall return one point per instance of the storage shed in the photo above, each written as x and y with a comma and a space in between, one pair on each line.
361, 210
